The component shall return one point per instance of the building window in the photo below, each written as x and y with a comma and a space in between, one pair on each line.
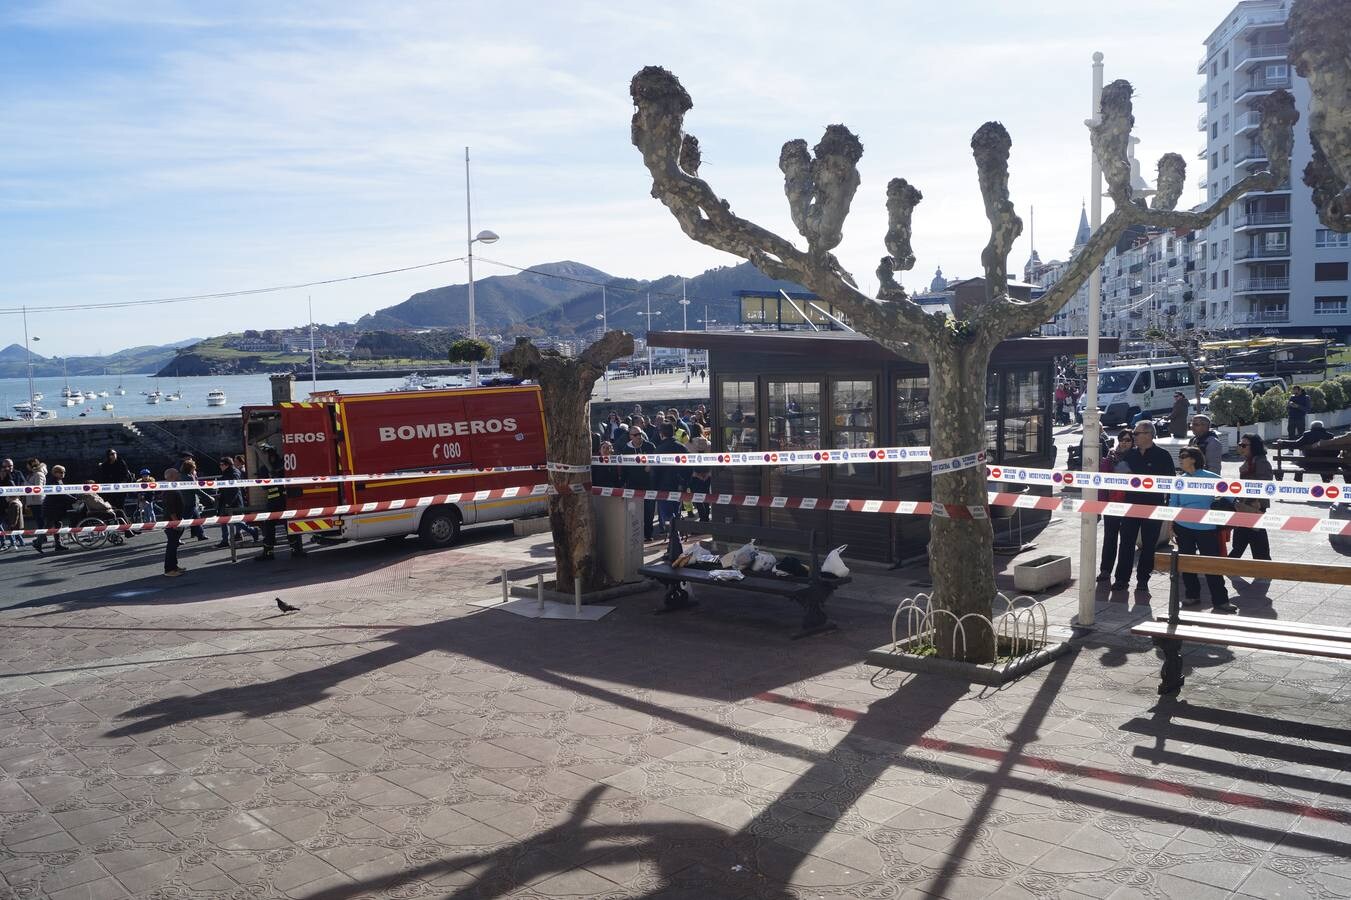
853, 426
1224, 184
794, 420
1214, 251
1326, 237
1214, 190
1225, 122
1024, 408
1214, 161
1279, 240
1329, 306
1214, 69
1224, 278
912, 421
740, 430
1277, 72
1224, 153
1214, 99
1329, 271
1214, 281
752, 309
1224, 247
1214, 130
1225, 216
1224, 91
1224, 59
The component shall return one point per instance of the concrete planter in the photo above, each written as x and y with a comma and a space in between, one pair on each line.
981, 673
1036, 575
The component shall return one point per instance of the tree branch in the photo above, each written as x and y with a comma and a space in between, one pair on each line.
1320, 48
819, 194
990, 145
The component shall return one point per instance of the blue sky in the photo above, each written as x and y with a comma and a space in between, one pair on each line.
154, 148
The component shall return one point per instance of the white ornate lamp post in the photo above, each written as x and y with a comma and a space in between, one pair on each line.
483, 237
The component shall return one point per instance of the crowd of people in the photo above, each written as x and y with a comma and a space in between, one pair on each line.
1135, 452
41, 510
669, 430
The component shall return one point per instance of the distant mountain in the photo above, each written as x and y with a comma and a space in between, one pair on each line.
147, 358
712, 295
499, 300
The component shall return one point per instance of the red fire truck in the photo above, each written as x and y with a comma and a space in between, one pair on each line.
410, 433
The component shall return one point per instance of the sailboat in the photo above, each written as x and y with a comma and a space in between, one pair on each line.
120, 391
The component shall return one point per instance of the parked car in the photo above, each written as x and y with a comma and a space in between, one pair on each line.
1125, 392
1259, 384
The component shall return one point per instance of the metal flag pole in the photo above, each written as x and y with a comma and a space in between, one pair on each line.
469, 244
314, 373
1088, 523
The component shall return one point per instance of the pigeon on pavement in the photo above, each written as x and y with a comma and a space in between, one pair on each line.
286, 607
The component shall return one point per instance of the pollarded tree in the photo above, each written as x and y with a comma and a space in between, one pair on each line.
820, 188
565, 387
1320, 51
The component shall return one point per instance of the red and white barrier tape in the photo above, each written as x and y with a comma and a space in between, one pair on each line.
1169, 484
319, 512
209, 484
1268, 520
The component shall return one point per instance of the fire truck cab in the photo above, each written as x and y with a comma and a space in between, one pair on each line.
425, 438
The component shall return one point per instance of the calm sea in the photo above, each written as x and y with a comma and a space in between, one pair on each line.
240, 390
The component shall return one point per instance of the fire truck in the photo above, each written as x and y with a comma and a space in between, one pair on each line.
422, 436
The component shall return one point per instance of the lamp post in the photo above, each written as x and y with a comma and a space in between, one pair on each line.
28, 356
483, 237
684, 326
649, 314
604, 317
1088, 523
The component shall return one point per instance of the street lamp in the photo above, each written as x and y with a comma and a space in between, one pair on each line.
604, 317
646, 341
28, 356
483, 237
685, 326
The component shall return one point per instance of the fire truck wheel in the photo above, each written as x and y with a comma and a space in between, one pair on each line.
440, 527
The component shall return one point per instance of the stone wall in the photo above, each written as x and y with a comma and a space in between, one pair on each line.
151, 442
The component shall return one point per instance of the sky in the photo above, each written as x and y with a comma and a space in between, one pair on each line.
155, 148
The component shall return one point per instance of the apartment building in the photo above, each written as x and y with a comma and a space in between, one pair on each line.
1270, 267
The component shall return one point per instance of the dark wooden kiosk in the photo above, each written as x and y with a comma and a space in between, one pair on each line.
795, 389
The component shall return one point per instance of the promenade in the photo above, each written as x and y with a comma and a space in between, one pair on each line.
183, 739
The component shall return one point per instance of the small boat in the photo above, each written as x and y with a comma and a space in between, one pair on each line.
66, 392
413, 382
73, 400
107, 407
153, 397
37, 395
215, 397
30, 411
103, 393
120, 391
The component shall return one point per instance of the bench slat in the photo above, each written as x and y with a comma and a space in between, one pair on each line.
769, 537
1229, 637
1267, 626
1255, 568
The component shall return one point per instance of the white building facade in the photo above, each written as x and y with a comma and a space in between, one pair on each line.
1270, 266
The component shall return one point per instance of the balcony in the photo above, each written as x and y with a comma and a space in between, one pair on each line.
1263, 316
1201, 154
1201, 70
1259, 252
1263, 286
1260, 86
1259, 20
1251, 156
1202, 183
1201, 94
1202, 122
1247, 122
1255, 53
1260, 219
1282, 188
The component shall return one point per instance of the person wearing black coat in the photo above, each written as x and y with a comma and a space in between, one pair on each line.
668, 477
639, 477
113, 470
230, 500
55, 508
1147, 458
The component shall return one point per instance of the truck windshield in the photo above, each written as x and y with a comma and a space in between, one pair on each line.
1114, 382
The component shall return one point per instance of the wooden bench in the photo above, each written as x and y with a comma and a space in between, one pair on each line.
810, 591
1326, 464
1170, 632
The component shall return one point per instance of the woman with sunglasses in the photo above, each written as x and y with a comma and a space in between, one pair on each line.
1256, 467
1112, 462
1198, 537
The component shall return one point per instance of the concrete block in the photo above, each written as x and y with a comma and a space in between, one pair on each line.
1036, 575
534, 525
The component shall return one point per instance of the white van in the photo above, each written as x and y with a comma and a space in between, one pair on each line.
1143, 388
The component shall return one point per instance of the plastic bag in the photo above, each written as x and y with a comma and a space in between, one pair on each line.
741, 557
763, 562
701, 554
792, 566
834, 564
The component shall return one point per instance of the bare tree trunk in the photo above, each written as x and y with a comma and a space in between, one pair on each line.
565, 385
963, 578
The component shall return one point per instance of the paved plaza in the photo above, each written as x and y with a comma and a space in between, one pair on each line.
181, 738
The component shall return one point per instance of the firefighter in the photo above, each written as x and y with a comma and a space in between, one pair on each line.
276, 502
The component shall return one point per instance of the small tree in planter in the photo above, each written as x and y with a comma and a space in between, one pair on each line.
1271, 406
1317, 398
1231, 404
1333, 395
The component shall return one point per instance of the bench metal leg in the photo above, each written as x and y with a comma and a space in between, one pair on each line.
814, 620
1170, 677
677, 597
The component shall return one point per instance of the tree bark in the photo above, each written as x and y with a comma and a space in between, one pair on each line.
963, 579
565, 388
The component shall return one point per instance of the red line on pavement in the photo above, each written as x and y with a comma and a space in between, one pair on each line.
1111, 776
